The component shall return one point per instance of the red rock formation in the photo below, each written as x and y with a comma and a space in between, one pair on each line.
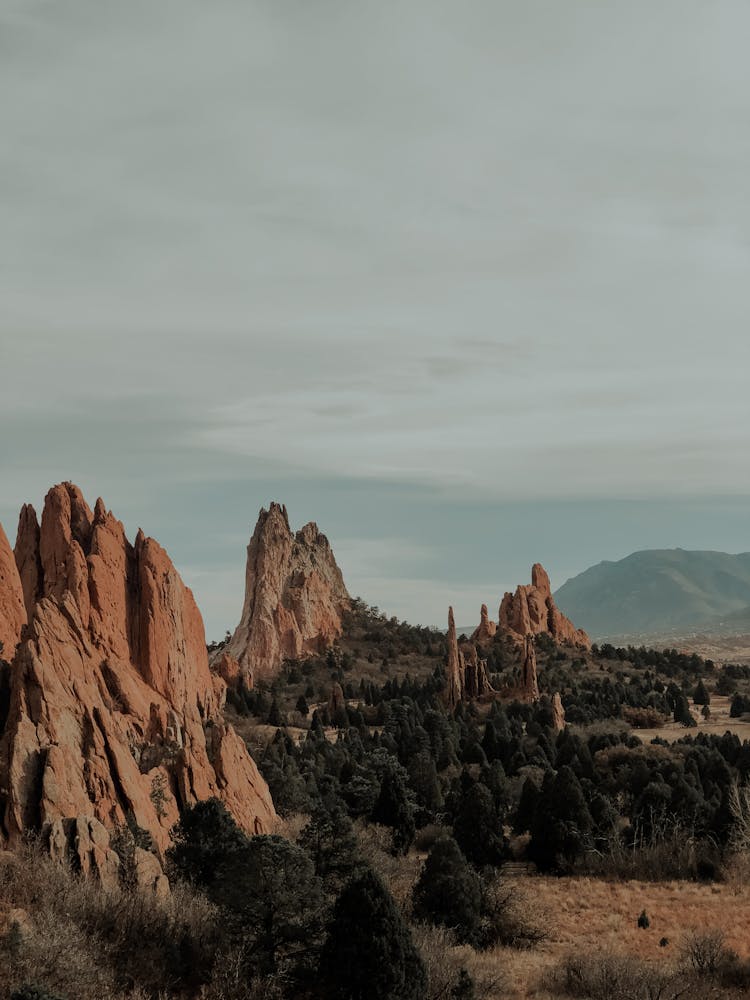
558, 713
336, 701
486, 629
454, 674
476, 682
113, 708
230, 671
466, 672
12, 609
529, 681
294, 596
27, 557
532, 610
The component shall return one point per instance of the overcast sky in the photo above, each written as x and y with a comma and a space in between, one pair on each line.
466, 282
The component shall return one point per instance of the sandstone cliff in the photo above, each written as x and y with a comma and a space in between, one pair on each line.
113, 709
532, 610
294, 596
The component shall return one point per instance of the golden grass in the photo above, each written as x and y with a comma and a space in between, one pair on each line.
719, 723
588, 915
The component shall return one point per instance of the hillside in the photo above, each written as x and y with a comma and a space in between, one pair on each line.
657, 589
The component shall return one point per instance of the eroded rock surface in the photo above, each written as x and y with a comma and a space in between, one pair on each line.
294, 596
113, 709
532, 610
12, 608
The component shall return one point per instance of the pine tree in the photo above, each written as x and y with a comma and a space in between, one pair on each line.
449, 892
369, 953
562, 825
476, 826
394, 808
701, 695
205, 835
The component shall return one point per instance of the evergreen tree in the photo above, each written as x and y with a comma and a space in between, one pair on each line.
476, 826
369, 954
394, 808
302, 707
562, 825
330, 841
205, 835
274, 899
701, 695
448, 891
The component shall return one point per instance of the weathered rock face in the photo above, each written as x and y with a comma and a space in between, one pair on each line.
486, 629
12, 609
466, 672
558, 713
294, 596
529, 681
336, 701
476, 679
113, 708
532, 610
455, 669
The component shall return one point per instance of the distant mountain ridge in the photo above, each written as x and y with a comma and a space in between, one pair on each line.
658, 589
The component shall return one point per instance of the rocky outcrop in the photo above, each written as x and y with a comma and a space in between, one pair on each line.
487, 628
294, 596
532, 610
558, 713
230, 671
113, 711
476, 680
455, 668
529, 681
336, 701
12, 609
466, 672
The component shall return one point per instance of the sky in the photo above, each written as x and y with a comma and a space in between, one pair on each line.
464, 282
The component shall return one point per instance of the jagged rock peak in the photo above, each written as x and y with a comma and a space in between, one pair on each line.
113, 709
532, 610
295, 596
12, 607
486, 629
456, 667
466, 672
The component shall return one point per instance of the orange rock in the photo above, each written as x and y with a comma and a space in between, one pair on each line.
294, 596
486, 629
113, 708
532, 610
529, 681
558, 713
230, 671
12, 609
456, 668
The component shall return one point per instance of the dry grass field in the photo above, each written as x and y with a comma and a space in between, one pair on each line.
586, 916
718, 724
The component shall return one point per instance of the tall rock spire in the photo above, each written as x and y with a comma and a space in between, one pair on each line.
529, 681
454, 681
12, 609
294, 596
